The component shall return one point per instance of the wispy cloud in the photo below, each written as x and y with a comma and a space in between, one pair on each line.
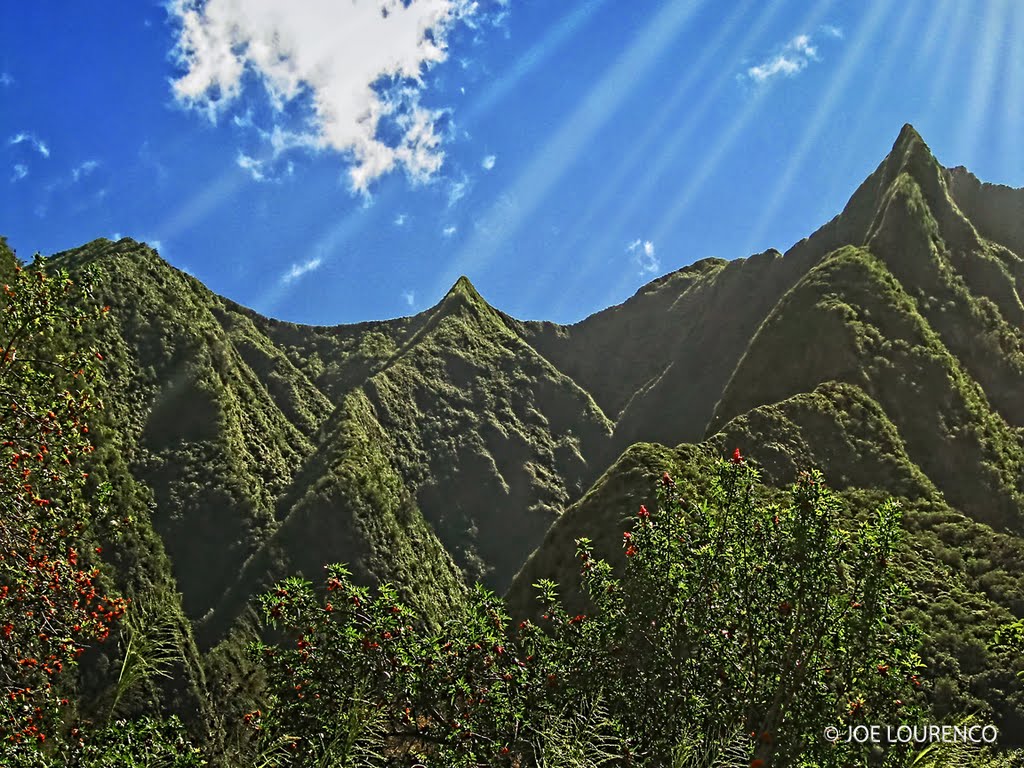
298, 270
791, 60
832, 31
410, 297
357, 68
6, 79
643, 255
400, 220
449, 231
252, 165
20, 172
82, 170
488, 162
32, 140
457, 190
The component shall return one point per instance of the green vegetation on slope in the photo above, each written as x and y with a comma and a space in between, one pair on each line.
434, 451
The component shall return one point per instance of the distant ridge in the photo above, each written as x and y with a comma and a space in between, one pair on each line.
887, 349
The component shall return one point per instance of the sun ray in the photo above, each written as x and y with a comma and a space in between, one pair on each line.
867, 108
1013, 99
552, 161
932, 35
538, 54
952, 45
640, 152
712, 157
838, 83
640, 149
197, 207
982, 81
326, 246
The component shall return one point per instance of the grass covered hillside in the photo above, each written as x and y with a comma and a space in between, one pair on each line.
462, 447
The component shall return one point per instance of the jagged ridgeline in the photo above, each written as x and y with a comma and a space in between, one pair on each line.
432, 451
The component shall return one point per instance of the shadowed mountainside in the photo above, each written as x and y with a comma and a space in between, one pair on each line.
437, 450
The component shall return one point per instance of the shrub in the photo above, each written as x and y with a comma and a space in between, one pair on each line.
737, 628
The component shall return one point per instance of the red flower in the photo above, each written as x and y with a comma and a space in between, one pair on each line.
737, 457
643, 514
626, 536
666, 480
630, 550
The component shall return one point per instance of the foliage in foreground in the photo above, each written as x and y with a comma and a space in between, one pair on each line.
738, 630
55, 601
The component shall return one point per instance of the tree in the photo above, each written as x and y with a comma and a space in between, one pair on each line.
739, 627
739, 615
52, 598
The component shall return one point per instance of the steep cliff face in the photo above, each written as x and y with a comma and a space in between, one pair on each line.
887, 349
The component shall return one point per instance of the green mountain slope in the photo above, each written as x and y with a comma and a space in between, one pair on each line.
889, 357
437, 450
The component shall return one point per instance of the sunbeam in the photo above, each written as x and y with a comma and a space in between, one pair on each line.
199, 206
957, 28
563, 149
530, 61
713, 156
982, 80
641, 150
838, 83
325, 247
932, 35
867, 108
1013, 95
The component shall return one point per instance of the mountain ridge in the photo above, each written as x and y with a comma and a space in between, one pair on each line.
461, 444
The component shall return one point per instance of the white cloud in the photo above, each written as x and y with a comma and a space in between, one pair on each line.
20, 172
457, 190
6, 79
252, 165
832, 31
449, 231
298, 270
410, 297
488, 162
244, 120
25, 137
83, 170
791, 60
358, 66
400, 220
114, 236
643, 254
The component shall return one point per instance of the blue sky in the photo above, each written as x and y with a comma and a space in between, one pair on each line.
347, 161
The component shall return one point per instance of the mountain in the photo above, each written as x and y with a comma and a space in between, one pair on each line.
462, 445
885, 349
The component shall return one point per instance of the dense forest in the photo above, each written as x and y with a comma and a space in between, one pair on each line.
760, 500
